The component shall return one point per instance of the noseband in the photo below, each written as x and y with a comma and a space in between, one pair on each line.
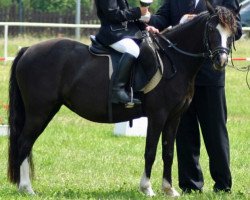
209, 52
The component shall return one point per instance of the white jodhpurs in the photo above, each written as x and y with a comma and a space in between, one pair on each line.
127, 45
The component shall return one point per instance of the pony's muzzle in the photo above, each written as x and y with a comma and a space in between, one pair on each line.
223, 59
220, 61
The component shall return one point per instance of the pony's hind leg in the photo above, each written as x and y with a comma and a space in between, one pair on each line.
25, 182
34, 125
26, 141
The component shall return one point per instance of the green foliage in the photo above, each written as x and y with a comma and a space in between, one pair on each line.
52, 5
153, 8
65, 5
48, 5
5, 3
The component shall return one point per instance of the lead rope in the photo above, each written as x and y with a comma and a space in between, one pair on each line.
241, 69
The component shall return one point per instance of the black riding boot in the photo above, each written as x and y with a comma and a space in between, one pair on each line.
119, 94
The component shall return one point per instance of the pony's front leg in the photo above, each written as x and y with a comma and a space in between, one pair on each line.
168, 138
153, 134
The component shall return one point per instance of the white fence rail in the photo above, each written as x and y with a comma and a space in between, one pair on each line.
27, 24
8, 24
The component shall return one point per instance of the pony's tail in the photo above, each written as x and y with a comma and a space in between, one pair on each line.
16, 121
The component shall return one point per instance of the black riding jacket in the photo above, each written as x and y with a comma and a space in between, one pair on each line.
118, 21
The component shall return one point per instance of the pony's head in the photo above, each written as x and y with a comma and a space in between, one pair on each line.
220, 31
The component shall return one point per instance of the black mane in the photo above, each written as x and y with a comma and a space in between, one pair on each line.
180, 27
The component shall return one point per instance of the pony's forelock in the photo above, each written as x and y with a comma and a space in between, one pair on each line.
226, 18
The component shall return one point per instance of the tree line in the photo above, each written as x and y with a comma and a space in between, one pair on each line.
62, 6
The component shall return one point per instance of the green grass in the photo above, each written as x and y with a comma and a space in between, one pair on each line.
78, 159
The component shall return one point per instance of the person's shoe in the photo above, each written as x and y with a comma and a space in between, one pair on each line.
120, 96
189, 191
225, 190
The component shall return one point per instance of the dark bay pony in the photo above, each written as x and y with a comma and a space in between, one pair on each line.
60, 72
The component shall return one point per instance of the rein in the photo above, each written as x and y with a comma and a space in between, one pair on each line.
209, 54
173, 68
172, 45
242, 69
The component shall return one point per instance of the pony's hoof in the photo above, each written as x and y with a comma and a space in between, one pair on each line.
147, 191
145, 186
171, 192
26, 189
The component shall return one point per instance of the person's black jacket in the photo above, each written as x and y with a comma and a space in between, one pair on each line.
170, 13
118, 21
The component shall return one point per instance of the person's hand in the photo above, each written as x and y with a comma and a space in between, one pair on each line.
144, 10
152, 29
187, 17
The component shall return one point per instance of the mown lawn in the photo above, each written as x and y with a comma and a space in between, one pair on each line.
78, 159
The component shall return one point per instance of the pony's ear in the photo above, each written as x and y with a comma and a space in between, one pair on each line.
210, 7
237, 11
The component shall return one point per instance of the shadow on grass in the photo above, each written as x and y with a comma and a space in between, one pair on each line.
72, 194
125, 193
122, 193
128, 192
111, 194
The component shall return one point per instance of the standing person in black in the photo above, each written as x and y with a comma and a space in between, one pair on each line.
207, 110
119, 25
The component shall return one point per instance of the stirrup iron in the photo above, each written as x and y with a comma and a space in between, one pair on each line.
130, 104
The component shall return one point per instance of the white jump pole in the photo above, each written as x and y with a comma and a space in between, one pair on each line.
4, 130
139, 128
78, 19
5, 42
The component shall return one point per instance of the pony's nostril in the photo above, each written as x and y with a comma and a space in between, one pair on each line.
223, 59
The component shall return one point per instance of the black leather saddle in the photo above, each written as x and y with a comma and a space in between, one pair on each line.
98, 48
141, 74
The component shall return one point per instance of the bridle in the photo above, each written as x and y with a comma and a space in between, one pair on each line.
217, 50
210, 53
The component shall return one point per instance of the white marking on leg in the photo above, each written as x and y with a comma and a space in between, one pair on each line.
168, 189
145, 186
25, 183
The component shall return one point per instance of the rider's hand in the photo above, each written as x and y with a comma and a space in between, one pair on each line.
152, 29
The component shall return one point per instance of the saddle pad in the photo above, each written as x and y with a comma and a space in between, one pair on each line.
110, 62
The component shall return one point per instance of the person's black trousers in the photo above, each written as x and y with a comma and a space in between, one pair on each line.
208, 108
